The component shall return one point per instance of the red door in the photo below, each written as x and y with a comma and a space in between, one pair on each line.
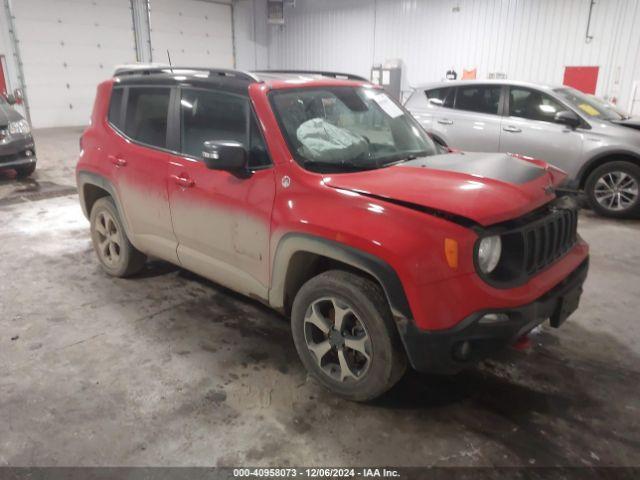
222, 220
584, 79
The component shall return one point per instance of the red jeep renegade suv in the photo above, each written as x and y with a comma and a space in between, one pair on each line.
319, 195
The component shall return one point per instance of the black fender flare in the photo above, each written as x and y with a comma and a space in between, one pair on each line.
90, 178
293, 243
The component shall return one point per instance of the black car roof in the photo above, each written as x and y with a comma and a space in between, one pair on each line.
234, 81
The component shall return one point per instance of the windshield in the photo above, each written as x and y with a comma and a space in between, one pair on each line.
347, 128
590, 105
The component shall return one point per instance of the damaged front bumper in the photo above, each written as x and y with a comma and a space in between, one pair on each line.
482, 333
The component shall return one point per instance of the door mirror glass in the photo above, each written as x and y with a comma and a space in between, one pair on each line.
11, 100
224, 155
568, 118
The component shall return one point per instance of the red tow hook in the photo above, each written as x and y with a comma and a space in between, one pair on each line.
523, 343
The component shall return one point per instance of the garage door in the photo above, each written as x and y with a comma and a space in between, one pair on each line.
196, 33
65, 54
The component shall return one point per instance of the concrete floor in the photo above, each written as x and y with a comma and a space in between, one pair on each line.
169, 369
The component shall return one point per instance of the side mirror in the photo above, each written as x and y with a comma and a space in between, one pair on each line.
568, 118
436, 101
224, 155
11, 100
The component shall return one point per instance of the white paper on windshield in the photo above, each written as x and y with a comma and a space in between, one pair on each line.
387, 105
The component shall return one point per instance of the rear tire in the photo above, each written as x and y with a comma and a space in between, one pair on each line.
23, 172
116, 254
345, 336
612, 190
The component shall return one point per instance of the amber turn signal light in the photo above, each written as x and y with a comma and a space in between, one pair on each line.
451, 252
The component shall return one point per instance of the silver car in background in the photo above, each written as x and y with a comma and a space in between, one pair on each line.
596, 145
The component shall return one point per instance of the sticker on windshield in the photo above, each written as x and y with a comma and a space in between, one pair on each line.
588, 109
386, 104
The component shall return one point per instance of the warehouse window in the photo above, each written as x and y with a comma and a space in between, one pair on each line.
482, 99
115, 108
146, 117
441, 96
532, 105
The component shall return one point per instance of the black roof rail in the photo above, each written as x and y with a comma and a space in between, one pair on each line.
144, 70
346, 76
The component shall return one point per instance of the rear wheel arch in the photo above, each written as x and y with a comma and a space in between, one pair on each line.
92, 187
299, 257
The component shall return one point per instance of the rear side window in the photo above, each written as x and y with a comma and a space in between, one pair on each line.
146, 117
207, 115
441, 96
480, 98
115, 107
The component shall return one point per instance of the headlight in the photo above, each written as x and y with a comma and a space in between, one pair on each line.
19, 127
489, 252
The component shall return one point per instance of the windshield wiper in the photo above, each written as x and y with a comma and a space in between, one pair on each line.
342, 165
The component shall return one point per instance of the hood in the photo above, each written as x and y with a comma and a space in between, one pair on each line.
485, 188
633, 122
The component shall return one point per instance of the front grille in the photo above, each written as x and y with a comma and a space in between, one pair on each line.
532, 243
548, 239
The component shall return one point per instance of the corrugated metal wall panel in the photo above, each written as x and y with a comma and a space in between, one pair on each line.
529, 40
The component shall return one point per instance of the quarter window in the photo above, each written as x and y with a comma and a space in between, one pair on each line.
532, 105
146, 117
115, 107
479, 98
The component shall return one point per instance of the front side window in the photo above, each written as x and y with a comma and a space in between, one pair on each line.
347, 128
532, 105
441, 96
146, 115
479, 98
208, 115
590, 105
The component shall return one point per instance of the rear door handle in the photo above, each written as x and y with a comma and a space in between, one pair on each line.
183, 181
445, 121
512, 129
117, 161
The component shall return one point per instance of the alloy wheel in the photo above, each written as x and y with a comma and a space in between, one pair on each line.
337, 339
109, 239
616, 190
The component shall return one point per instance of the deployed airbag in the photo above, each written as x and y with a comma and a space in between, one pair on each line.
324, 142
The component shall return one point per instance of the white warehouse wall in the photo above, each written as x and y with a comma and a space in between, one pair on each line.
529, 40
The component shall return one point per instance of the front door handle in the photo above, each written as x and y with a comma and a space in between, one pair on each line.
512, 129
117, 161
183, 181
445, 121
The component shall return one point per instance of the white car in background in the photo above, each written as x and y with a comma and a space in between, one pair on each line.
595, 144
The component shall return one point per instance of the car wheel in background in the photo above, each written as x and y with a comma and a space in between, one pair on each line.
344, 334
23, 172
117, 256
613, 189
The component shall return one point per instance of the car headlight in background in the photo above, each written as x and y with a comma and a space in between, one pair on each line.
19, 127
489, 252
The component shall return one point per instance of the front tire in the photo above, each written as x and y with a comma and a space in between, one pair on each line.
116, 254
612, 189
344, 334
